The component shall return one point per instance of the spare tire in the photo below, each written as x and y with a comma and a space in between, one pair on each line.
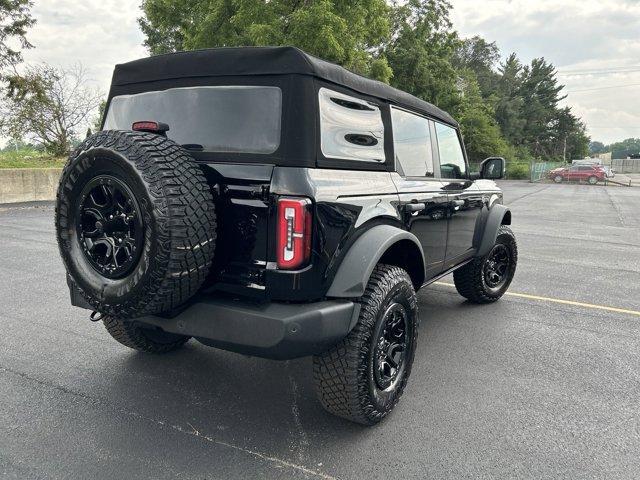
135, 223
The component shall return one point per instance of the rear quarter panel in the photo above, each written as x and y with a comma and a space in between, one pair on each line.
346, 204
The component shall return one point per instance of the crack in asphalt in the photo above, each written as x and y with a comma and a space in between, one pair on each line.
303, 444
192, 431
616, 207
527, 194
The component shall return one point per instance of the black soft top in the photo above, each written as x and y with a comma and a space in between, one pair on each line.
239, 61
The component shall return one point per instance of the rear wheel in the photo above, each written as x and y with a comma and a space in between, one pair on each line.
363, 377
486, 279
143, 339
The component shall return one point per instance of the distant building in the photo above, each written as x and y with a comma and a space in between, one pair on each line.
604, 157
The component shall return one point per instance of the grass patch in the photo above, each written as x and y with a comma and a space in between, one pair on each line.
30, 159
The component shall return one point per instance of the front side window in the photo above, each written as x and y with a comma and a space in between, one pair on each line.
452, 164
238, 119
350, 128
412, 143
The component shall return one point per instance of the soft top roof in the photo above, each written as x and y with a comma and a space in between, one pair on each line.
234, 61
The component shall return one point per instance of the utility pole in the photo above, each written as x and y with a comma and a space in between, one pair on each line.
564, 150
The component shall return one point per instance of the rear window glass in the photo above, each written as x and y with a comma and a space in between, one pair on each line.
241, 119
350, 128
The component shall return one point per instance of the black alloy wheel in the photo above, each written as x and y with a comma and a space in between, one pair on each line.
110, 226
391, 346
496, 266
363, 377
485, 279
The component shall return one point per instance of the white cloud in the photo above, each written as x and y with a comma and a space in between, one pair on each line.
582, 35
96, 33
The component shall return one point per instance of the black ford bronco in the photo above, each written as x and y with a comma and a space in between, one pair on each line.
267, 202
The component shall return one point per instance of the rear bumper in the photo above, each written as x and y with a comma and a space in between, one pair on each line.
273, 330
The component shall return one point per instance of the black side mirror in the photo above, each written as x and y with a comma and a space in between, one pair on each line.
493, 168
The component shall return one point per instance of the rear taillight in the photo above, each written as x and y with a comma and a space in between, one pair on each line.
150, 127
294, 232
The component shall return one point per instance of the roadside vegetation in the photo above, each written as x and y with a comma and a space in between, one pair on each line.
29, 157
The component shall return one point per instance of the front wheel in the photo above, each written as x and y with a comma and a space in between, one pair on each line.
593, 180
557, 179
362, 377
486, 279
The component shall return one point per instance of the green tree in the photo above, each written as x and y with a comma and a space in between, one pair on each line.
347, 33
15, 20
49, 106
482, 136
596, 147
509, 103
481, 57
421, 51
624, 148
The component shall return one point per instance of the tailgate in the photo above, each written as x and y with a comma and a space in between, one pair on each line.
242, 212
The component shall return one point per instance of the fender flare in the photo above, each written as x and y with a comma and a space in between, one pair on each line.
353, 274
494, 220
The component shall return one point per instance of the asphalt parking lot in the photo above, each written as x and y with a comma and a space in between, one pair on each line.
524, 388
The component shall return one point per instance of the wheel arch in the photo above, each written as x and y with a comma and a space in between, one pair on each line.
497, 216
380, 244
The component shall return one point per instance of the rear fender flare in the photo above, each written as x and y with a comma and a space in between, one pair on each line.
353, 274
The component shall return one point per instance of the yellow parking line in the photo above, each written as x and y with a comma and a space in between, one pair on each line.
558, 300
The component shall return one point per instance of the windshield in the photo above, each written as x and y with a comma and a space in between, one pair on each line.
243, 119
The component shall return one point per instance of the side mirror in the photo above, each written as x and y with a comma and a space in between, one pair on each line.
493, 168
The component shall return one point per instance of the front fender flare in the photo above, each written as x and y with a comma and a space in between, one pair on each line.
493, 222
353, 274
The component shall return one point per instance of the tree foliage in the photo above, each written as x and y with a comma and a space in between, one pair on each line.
15, 20
625, 148
421, 51
348, 33
48, 105
509, 108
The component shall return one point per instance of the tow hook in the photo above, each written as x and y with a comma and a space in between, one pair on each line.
96, 316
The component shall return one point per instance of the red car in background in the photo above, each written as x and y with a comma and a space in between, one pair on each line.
588, 173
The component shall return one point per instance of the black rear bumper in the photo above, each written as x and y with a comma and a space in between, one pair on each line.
272, 330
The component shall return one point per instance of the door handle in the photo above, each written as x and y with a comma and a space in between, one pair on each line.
415, 207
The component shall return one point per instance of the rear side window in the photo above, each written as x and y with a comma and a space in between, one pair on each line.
452, 164
412, 143
350, 128
240, 119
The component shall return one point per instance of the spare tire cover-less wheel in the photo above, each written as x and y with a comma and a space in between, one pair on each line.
135, 223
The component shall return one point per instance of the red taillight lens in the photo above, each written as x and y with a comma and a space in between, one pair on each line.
151, 127
294, 232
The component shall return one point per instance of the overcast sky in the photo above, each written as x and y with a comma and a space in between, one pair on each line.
595, 44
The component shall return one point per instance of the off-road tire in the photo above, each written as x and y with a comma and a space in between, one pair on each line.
470, 280
344, 378
176, 205
142, 339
